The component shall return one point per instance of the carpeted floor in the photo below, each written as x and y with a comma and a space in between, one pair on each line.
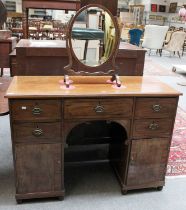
177, 157
152, 68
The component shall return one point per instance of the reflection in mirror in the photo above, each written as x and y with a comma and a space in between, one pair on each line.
93, 36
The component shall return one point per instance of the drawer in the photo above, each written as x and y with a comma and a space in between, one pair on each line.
151, 128
29, 110
155, 107
98, 108
37, 132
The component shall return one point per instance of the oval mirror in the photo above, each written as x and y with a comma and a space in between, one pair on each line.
93, 35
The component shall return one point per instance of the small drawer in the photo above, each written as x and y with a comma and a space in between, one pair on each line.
98, 108
151, 128
37, 132
155, 107
29, 110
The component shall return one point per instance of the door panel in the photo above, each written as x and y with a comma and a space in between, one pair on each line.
38, 168
148, 161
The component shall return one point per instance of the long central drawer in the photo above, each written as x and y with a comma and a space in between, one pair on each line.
98, 108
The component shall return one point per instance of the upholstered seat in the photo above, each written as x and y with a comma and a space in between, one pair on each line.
154, 37
87, 34
135, 35
176, 42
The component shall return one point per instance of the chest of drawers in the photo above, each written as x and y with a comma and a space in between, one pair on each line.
139, 125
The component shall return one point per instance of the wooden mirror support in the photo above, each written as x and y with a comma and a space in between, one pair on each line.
3, 14
76, 67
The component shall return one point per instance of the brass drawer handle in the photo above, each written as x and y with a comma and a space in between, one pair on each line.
99, 109
156, 107
36, 110
153, 126
37, 132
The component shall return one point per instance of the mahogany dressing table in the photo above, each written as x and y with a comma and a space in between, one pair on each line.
49, 115
144, 111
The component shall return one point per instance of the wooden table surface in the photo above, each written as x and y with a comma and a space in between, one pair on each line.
87, 86
4, 83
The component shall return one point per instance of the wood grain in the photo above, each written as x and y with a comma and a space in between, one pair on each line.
45, 86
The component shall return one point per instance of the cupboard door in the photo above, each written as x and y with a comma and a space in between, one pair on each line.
148, 161
38, 168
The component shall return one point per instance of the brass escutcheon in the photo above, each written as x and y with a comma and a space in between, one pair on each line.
99, 109
37, 132
156, 107
36, 110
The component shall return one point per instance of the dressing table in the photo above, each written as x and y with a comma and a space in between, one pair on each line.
50, 115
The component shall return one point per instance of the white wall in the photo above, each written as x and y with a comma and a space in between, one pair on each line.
19, 6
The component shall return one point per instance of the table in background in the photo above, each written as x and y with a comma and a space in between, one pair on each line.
6, 46
49, 57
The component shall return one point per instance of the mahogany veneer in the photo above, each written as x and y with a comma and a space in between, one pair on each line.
139, 118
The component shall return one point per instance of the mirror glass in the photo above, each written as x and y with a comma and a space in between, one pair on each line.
93, 36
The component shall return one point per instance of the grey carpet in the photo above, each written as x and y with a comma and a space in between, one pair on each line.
87, 188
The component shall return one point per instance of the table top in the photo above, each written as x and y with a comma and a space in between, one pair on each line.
4, 83
87, 86
27, 43
62, 44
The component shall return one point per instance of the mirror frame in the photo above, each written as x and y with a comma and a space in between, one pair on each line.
75, 66
4, 14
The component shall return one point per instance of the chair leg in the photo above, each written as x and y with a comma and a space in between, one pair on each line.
149, 52
1, 72
178, 54
160, 52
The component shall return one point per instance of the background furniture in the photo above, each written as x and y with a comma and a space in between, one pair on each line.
36, 57
4, 83
3, 14
112, 6
130, 60
46, 4
49, 57
176, 42
154, 37
135, 36
138, 125
6, 46
13, 64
